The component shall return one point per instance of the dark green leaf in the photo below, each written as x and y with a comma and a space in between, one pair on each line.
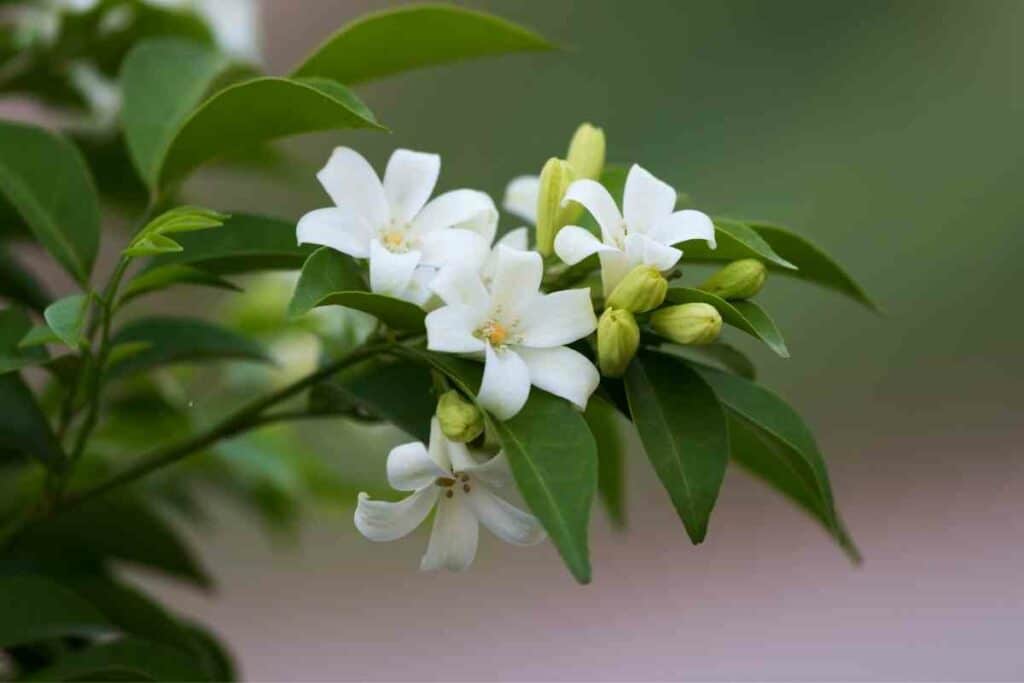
14, 325
66, 317
416, 36
605, 424
743, 315
33, 608
18, 285
724, 356
219, 661
735, 240
395, 313
38, 336
684, 432
44, 178
166, 276
24, 428
123, 659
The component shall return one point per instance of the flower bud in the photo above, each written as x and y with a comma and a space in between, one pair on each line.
695, 323
643, 289
586, 152
617, 340
460, 420
554, 181
738, 280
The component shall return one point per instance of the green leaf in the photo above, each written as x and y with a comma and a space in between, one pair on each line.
415, 36
24, 428
38, 336
218, 659
14, 325
743, 315
153, 240
163, 81
152, 246
18, 285
33, 608
683, 430
124, 351
166, 276
123, 659
66, 317
45, 179
813, 263
722, 355
735, 240
180, 340
605, 424
330, 278
770, 439
254, 112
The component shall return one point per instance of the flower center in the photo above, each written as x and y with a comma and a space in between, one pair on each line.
495, 333
452, 484
393, 240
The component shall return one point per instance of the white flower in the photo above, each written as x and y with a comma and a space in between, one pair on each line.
448, 476
406, 238
521, 197
642, 234
518, 239
518, 331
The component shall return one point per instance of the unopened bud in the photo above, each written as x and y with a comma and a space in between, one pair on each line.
460, 420
586, 152
555, 178
617, 340
738, 280
643, 289
696, 323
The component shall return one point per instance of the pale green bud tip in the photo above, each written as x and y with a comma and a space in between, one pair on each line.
555, 178
696, 323
460, 420
738, 280
642, 290
586, 152
617, 340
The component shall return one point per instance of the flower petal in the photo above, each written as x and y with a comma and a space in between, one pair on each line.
573, 244
411, 467
438, 446
521, 197
390, 273
615, 265
597, 200
381, 520
339, 228
495, 472
421, 288
503, 519
682, 226
409, 180
459, 286
464, 247
506, 383
557, 319
519, 238
646, 200
643, 249
458, 454
450, 329
517, 278
562, 372
454, 537
467, 209
351, 182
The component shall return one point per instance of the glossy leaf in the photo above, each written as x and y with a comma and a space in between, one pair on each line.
34, 608
605, 424
45, 179
153, 238
743, 315
735, 240
24, 428
167, 276
416, 36
123, 659
19, 285
14, 325
66, 317
684, 433
721, 355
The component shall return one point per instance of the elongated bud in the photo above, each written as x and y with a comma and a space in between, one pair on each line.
738, 280
586, 152
642, 290
695, 323
554, 181
460, 420
617, 340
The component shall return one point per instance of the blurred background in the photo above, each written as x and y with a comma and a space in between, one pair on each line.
889, 133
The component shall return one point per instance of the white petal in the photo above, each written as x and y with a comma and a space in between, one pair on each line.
684, 225
503, 519
615, 265
450, 329
339, 228
409, 180
438, 446
351, 182
391, 273
459, 286
467, 209
596, 199
518, 238
506, 383
380, 520
420, 290
643, 249
494, 472
646, 200
521, 197
410, 467
573, 244
517, 278
562, 372
464, 247
557, 319
458, 454
454, 537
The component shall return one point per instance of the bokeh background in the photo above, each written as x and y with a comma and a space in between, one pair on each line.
888, 132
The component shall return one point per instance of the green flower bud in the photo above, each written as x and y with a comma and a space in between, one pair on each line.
586, 152
642, 290
554, 181
460, 420
617, 340
688, 323
738, 280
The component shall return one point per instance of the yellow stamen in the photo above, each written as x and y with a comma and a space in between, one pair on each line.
393, 239
496, 334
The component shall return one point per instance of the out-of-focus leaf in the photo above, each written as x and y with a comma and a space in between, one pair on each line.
166, 276
14, 325
219, 661
605, 424
44, 178
66, 317
34, 608
38, 336
722, 355
24, 428
20, 286
416, 36
122, 352
743, 315
683, 430
123, 659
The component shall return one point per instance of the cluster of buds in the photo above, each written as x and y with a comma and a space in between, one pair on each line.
584, 159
